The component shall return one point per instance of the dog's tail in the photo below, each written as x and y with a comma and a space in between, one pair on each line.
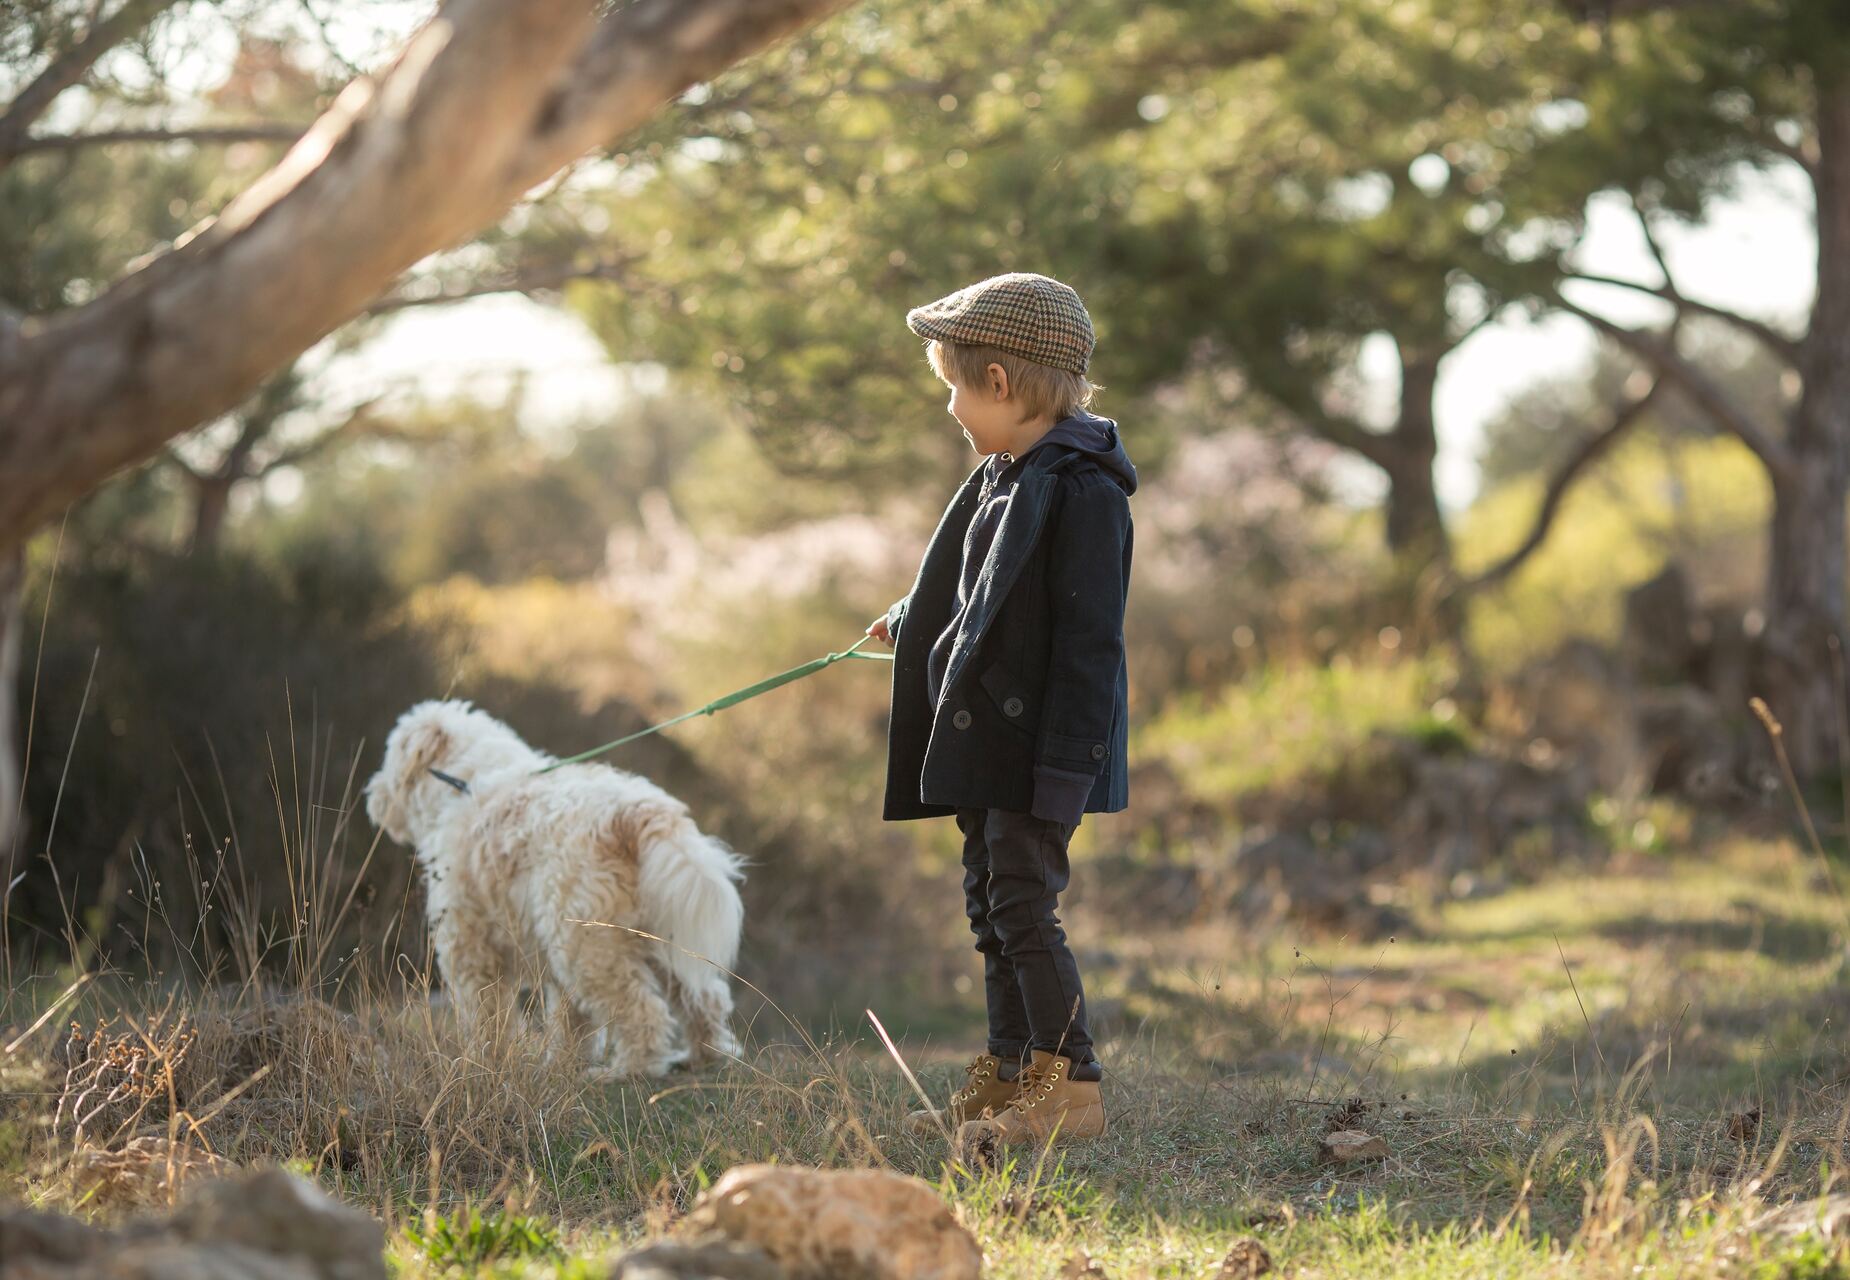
690, 892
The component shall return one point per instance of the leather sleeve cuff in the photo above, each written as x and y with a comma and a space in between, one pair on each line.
1060, 795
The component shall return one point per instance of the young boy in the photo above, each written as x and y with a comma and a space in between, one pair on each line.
1009, 683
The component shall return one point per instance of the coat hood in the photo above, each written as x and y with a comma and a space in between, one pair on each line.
1097, 437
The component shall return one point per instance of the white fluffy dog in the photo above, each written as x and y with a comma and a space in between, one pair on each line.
513, 864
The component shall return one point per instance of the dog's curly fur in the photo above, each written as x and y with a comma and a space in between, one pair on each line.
544, 877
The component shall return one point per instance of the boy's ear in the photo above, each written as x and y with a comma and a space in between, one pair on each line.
998, 381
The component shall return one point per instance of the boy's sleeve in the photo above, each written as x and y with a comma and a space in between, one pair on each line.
895, 614
1086, 589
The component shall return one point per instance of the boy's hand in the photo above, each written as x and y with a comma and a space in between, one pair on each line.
879, 632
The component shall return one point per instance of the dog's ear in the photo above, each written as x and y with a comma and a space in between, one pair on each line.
426, 745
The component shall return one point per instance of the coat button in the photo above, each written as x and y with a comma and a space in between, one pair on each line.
1012, 707
1098, 751
962, 719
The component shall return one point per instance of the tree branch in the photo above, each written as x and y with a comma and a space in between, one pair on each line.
1651, 243
205, 135
1589, 451
648, 53
69, 67
1471, 330
529, 281
1705, 391
1346, 433
1787, 349
360, 421
483, 104
1805, 158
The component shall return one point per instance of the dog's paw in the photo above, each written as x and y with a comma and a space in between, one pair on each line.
671, 1061
726, 1045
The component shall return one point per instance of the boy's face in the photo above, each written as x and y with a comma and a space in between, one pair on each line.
985, 412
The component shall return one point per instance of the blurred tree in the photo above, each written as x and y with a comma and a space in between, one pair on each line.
490, 99
1683, 100
252, 447
1542, 426
481, 497
1263, 187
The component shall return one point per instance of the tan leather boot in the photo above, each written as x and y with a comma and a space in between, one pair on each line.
984, 1090
1047, 1105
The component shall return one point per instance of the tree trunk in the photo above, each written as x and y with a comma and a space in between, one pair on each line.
1415, 528
1416, 532
211, 502
1806, 579
12, 779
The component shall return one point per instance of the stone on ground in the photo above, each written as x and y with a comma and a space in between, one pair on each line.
265, 1226
840, 1224
711, 1259
1351, 1146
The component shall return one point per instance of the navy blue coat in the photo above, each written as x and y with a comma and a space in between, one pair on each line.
1033, 717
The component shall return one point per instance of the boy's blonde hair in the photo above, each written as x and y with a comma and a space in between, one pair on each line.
1039, 389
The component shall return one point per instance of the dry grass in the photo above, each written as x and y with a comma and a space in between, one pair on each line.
1562, 1074
1590, 1131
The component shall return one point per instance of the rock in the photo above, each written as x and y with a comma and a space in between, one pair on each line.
840, 1224
1690, 744
713, 1259
1580, 702
266, 1226
145, 1172
1350, 1146
1246, 1260
1288, 876
1083, 1266
279, 1213
1141, 892
1730, 654
1660, 634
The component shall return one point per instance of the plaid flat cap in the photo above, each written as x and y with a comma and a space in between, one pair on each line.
1024, 314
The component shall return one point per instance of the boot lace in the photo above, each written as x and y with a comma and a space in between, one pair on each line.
978, 1072
1036, 1083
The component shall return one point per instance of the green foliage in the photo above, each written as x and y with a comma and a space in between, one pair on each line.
1543, 424
1210, 176
1807, 1259
1702, 503
1289, 722
475, 1240
1037, 1186
1440, 735
74, 220
482, 498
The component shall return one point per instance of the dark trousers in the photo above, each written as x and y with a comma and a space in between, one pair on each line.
1015, 868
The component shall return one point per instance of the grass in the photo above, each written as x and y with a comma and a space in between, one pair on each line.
1312, 714
1554, 1070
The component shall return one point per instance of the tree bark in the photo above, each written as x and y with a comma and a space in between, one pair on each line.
1417, 536
12, 778
211, 502
1416, 532
1806, 580
486, 101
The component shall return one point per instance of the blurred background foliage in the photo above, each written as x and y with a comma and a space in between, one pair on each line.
1251, 197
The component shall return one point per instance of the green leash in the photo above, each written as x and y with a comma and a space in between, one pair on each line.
732, 699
